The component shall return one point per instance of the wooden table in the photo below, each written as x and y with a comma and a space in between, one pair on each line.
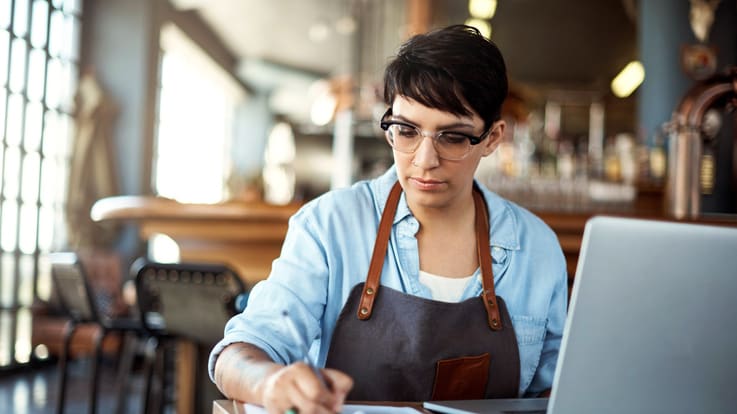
228, 407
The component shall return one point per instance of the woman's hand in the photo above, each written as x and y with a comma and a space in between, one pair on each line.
245, 373
296, 387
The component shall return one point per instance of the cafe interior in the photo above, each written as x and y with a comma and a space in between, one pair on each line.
154, 150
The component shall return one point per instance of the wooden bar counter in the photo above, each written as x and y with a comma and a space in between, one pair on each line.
248, 236
244, 235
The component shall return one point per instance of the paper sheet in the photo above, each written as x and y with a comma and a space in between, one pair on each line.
241, 408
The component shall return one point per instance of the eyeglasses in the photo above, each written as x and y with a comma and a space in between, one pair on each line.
406, 138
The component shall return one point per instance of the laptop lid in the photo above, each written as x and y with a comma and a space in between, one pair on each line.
652, 322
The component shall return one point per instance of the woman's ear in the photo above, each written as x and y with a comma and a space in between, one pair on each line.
496, 133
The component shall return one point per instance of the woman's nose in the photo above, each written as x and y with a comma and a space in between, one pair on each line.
426, 155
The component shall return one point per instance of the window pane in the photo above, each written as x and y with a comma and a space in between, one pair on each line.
5, 13
34, 118
27, 242
39, 23
31, 165
23, 336
56, 34
60, 186
71, 36
53, 83
15, 120
73, 6
9, 223
43, 281
3, 101
46, 229
12, 175
53, 181
7, 283
2, 159
57, 136
36, 74
48, 182
69, 86
18, 65
4, 47
6, 322
50, 133
20, 20
66, 127
57, 3
25, 289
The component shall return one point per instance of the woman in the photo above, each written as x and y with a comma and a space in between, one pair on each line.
420, 284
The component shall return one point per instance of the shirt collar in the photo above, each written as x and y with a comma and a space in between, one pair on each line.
504, 228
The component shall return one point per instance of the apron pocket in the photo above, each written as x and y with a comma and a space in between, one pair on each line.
461, 378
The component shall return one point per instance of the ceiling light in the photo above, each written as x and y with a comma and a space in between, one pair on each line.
628, 79
483, 26
482, 9
324, 103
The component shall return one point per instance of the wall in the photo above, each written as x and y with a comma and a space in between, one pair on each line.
120, 43
664, 28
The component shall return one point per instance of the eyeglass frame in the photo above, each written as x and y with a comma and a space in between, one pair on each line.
472, 139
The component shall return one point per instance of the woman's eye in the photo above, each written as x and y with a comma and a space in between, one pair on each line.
406, 131
453, 138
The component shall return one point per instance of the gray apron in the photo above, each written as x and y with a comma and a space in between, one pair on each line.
400, 347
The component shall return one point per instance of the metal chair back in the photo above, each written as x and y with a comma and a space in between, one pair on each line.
188, 300
73, 288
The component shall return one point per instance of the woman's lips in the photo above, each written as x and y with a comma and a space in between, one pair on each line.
425, 184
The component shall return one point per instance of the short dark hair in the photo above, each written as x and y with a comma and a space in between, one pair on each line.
450, 69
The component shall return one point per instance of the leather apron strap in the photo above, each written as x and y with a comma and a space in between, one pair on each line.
371, 287
487, 275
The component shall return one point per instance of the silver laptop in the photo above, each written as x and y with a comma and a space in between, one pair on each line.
651, 328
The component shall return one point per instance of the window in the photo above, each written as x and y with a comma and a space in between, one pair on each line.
39, 59
197, 103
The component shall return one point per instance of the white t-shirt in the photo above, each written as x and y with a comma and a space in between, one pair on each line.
445, 289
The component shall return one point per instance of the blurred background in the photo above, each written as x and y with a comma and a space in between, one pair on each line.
220, 111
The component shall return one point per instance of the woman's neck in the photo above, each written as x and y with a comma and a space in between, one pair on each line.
446, 240
455, 215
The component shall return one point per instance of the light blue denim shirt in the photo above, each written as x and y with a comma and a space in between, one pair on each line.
327, 251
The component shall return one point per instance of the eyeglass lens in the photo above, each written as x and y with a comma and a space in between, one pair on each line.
407, 139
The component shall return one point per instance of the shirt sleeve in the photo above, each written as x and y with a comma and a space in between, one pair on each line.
543, 378
297, 284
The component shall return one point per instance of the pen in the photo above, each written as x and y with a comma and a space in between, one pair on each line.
303, 347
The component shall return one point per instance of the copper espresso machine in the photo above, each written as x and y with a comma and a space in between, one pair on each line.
700, 122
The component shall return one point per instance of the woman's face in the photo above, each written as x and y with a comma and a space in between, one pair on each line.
429, 181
